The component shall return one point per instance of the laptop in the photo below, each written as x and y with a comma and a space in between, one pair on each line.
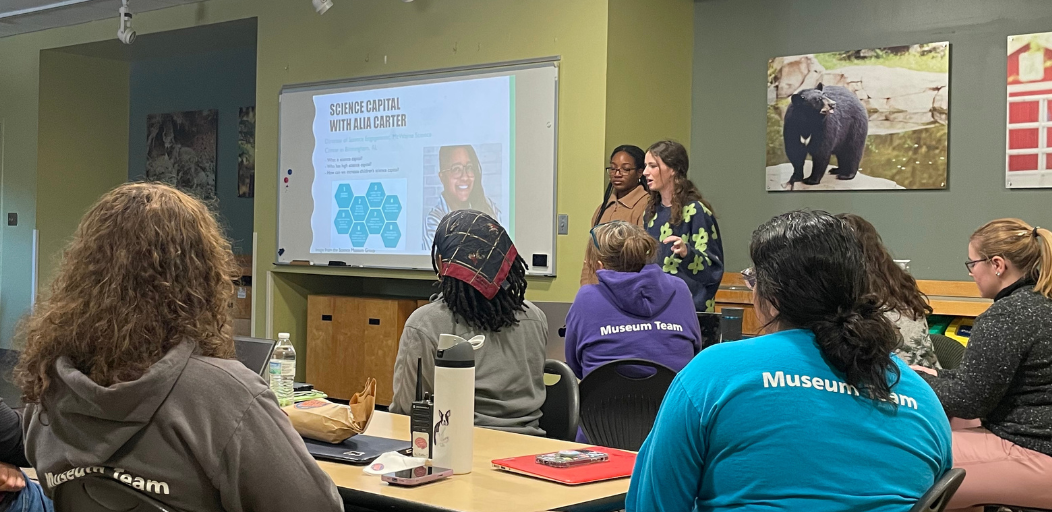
254, 353
358, 450
619, 466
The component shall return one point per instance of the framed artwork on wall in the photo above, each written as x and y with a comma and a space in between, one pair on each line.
871, 119
246, 152
1028, 156
181, 151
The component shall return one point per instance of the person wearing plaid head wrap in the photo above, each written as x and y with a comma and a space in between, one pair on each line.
482, 283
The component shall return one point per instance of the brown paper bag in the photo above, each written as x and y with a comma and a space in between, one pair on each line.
323, 420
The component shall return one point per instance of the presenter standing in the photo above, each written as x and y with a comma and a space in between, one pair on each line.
461, 175
625, 199
683, 224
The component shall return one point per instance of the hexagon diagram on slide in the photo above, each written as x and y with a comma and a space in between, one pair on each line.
343, 222
390, 235
359, 234
375, 194
359, 208
392, 207
374, 221
344, 195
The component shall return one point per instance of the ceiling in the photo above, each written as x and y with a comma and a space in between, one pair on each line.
22, 16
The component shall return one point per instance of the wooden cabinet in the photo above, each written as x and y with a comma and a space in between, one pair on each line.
350, 339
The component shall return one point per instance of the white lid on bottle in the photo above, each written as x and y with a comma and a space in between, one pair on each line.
283, 335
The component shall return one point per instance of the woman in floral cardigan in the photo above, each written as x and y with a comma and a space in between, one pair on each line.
683, 224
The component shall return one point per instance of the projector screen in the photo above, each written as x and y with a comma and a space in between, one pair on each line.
369, 167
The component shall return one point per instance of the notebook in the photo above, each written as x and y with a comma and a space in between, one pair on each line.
358, 450
619, 466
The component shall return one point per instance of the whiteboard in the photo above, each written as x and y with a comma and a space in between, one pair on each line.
369, 166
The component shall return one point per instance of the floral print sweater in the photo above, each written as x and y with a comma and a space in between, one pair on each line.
702, 268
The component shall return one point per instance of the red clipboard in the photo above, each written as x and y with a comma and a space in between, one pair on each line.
619, 466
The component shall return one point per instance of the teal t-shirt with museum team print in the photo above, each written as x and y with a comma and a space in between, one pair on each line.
767, 424
702, 267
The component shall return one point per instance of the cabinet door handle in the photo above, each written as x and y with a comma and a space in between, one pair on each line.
326, 318
374, 321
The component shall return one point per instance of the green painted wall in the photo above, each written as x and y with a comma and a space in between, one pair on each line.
82, 147
648, 73
735, 38
295, 45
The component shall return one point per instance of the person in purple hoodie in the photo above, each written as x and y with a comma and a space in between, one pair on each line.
636, 311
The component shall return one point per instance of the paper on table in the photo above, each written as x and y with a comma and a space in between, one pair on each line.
391, 462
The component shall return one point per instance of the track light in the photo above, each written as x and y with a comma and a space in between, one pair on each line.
125, 32
322, 5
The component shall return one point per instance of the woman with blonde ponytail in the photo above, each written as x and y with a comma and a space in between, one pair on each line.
636, 311
1005, 379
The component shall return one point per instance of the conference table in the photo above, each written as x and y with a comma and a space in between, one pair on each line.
484, 489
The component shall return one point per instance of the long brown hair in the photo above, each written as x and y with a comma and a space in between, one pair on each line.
674, 155
1028, 248
148, 268
895, 287
622, 246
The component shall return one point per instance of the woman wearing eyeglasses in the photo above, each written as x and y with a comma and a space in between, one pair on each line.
1005, 379
461, 175
683, 224
625, 199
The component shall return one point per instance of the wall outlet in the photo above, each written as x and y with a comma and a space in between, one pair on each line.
564, 224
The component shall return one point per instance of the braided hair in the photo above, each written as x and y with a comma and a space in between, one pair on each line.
478, 312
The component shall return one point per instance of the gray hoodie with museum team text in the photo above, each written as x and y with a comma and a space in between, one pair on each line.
196, 433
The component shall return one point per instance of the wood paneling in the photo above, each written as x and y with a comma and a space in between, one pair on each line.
954, 298
359, 341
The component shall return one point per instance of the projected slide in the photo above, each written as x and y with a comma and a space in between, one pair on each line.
389, 163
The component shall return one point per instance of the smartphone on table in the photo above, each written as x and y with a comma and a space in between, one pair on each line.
416, 476
571, 458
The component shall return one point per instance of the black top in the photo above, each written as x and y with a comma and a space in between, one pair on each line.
12, 450
1005, 378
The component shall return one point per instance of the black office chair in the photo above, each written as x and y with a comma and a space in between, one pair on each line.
562, 404
939, 495
618, 411
99, 493
948, 351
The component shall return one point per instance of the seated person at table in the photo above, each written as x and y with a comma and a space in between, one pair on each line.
482, 280
817, 416
635, 312
17, 493
129, 370
1005, 379
908, 307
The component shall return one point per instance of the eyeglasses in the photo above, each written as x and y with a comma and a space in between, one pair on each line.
614, 171
970, 264
458, 171
749, 275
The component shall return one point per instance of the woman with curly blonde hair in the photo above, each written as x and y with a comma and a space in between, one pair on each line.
128, 368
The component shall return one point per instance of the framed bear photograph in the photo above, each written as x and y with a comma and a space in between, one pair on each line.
873, 119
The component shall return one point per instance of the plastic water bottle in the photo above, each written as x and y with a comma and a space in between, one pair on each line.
283, 369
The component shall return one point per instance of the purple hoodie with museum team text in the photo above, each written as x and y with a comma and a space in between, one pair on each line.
632, 315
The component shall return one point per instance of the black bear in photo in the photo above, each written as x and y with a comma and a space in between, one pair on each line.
821, 122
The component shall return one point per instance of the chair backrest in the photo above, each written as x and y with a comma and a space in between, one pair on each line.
948, 351
562, 404
618, 410
100, 493
939, 495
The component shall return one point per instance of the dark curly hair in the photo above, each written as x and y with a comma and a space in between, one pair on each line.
810, 268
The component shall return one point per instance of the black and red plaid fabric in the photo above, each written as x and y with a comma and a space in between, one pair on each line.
474, 249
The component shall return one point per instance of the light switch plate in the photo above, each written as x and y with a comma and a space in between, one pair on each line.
564, 224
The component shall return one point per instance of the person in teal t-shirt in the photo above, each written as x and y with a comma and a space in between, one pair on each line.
683, 224
818, 416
